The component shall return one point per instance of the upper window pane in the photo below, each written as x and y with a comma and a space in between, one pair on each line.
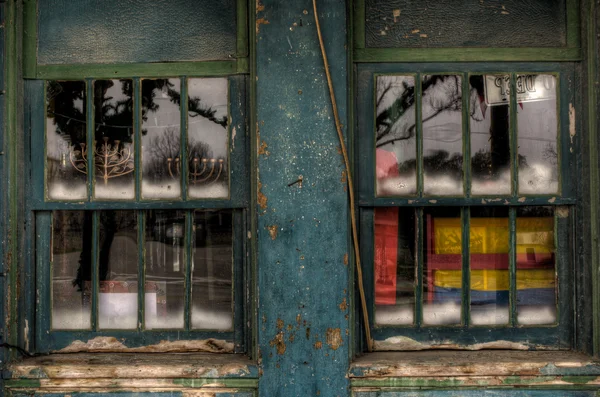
465, 23
93, 31
395, 136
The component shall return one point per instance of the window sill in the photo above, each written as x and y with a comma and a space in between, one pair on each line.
134, 369
491, 367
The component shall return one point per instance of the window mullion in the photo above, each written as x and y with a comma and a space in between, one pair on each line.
466, 266
183, 106
466, 135
514, 156
189, 241
419, 132
419, 269
95, 263
91, 132
137, 138
141, 236
512, 263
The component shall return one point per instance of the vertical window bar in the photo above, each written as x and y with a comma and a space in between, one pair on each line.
419, 269
514, 156
141, 236
466, 266
183, 107
189, 241
137, 138
512, 264
419, 132
91, 133
466, 135
95, 281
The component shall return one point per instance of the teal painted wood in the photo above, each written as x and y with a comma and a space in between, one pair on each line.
302, 231
477, 393
3, 267
91, 31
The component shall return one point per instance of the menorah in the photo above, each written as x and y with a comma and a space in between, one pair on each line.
110, 161
206, 173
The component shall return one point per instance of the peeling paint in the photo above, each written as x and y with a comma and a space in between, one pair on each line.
346, 259
553, 199
280, 323
344, 305
398, 343
562, 211
522, 199
333, 338
111, 344
273, 231
233, 135
262, 149
26, 335
318, 345
260, 21
396, 14
571, 122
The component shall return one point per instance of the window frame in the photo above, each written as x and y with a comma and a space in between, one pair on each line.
463, 336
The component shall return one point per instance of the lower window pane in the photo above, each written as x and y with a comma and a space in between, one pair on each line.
165, 269
117, 270
71, 269
212, 270
394, 264
489, 242
442, 267
536, 271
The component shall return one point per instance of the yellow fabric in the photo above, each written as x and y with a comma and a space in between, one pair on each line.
490, 235
495, 280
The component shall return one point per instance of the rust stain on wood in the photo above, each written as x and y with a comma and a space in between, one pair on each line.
262, 149
346, 259
280, 323
344, 305
273, 231
262, 199
278, 342
333, 338
318, 344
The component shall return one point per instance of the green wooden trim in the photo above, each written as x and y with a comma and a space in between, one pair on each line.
512, 265
466, 131
137, 138
419, 132
90, 135
95, 263
513, 143
222, 382
183, 140
141, 237
420, 251
11, 256
487, 383
188, 258
122, 70
242, 29
466, 266
467, 201
466, 54
592, 126
573, 24
29, 38
358, 14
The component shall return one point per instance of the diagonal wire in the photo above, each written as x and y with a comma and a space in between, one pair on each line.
338, 128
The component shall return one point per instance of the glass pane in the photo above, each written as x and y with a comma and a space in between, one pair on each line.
537, 127
442, 266
114, 149
442, 135
395, 139
212, 270
536, 266
117, 31
66, 166
118, 270
165, 269
208, 161
161, 139
394, 266
488, 244
71, 269
489, 117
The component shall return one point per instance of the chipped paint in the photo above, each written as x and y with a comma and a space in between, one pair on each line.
233, 135
280, 323
553, 199
396, 14
278, 342
272, 231
397, 343
344, 305
522, 199
262, 149
433, 201
562, 211
111, 344
346, 259
318, 345
333, 338
572, 122
260, 21
26, 335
